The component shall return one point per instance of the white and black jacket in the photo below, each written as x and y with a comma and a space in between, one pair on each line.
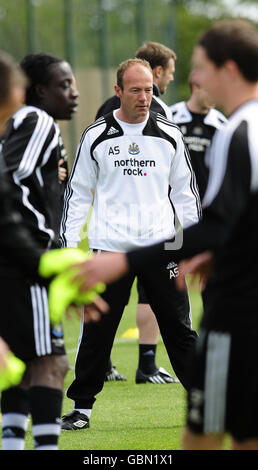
158, 105
132, 174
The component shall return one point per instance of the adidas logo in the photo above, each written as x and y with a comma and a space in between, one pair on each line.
112, 130
171, 265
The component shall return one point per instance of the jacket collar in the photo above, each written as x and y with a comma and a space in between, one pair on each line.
156, 91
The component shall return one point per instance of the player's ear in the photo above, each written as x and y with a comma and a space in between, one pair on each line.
40, 90
118, 91
157, 71
232, 68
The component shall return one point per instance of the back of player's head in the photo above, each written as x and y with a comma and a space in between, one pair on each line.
37, 68
235, 40
10, 74
129, 63
156, 54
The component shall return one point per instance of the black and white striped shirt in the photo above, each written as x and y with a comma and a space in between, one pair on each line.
31, 154
229, 226
198, 130
136, 172
19, 252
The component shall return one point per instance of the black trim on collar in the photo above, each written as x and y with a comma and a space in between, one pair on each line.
111, 123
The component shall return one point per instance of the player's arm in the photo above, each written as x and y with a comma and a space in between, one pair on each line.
184, 193
17, 244
20, 157
78, 195
23, 147
32, 137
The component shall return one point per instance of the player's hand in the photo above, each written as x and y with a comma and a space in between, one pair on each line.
62, 172
4, 351
93, 312
199, 267
12, 369
63, 290
106, 268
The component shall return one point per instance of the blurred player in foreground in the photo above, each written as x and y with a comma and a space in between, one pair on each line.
14, 238
224, 249
31, 152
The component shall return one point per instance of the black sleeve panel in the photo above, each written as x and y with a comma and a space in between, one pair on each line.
110, 105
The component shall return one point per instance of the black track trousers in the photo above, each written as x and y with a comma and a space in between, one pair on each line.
172, 310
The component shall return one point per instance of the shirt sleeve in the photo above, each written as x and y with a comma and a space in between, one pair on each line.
24, 149
28, 149
79, 194
17, 244
184, 192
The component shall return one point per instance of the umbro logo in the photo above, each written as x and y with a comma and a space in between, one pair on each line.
112, 131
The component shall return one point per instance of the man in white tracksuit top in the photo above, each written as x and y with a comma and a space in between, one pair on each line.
133, 167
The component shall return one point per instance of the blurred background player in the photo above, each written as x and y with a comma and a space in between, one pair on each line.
162, 61
12, 91
198, 121
31, 151
61, 92
63, 161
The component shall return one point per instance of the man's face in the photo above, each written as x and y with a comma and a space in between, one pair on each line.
166, 76
136, 94
60, 97
209, 76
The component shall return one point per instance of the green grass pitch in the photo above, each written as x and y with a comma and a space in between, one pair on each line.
127, 416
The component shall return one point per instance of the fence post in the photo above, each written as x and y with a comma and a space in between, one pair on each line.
104, 49
31, 29
141, 24
69, 53
173, 44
